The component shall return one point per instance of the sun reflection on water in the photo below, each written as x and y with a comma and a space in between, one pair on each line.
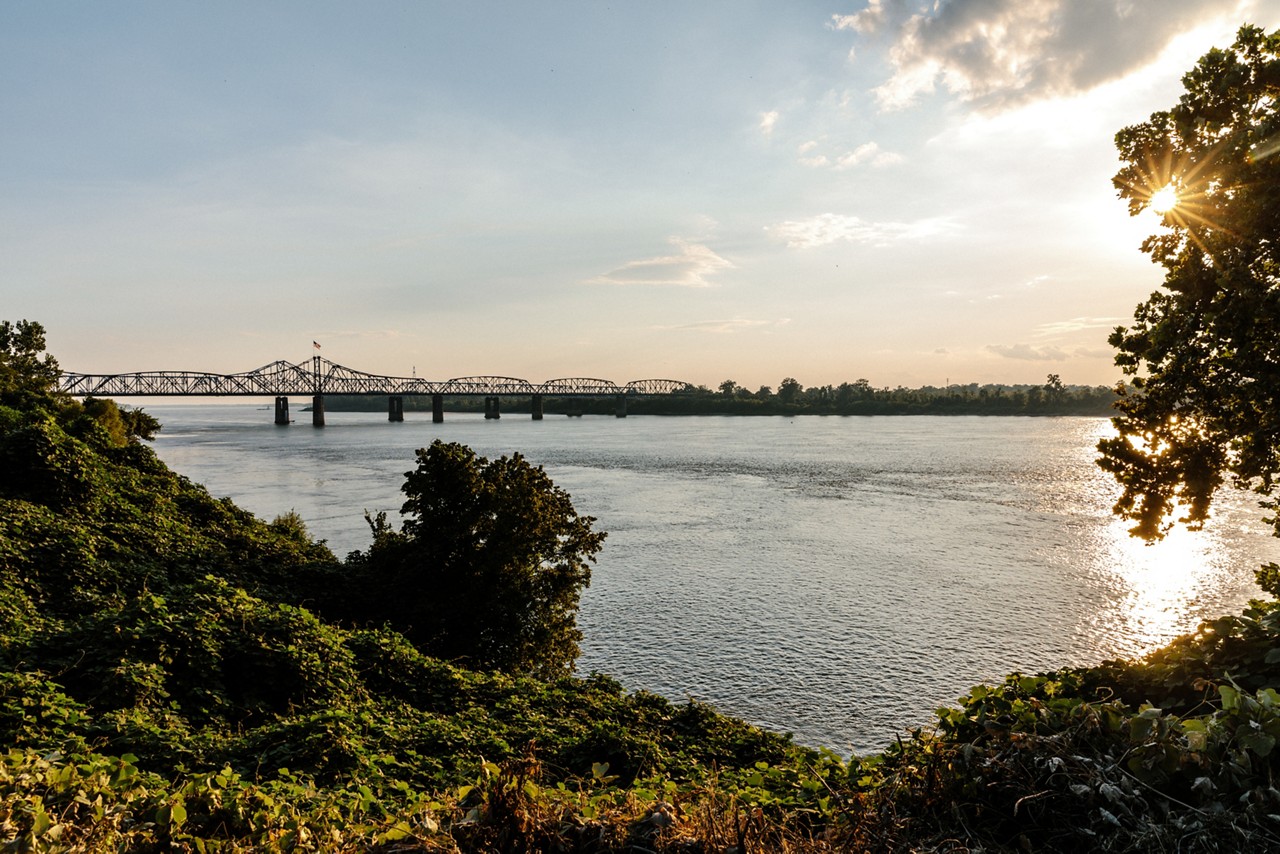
1158, 586
1156, 591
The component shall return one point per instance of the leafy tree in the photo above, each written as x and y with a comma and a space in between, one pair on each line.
1205, 351
122, 424
488, 566
25, 376
789, 390
1054, 388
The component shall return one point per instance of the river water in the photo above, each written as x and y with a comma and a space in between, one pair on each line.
834, 577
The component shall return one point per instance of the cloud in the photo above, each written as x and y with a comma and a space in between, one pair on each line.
726, 326
375, 334
1001, 53
871, 19
767, 122
1026, 352
688, 268
832, 228
1078, 324
868, 152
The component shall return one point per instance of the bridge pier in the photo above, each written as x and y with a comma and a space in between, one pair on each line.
437, 408
535, 406
491, 408
395, 408
282, 411
621, 410
317, 410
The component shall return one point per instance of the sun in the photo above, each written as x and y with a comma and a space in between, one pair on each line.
1163, 200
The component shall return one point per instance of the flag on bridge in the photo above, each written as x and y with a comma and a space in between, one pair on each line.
315, 344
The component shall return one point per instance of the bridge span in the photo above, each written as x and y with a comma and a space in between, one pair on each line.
317, 377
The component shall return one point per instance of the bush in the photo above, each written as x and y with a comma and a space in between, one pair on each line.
487, 569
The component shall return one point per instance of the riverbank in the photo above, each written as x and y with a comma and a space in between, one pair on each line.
826, 400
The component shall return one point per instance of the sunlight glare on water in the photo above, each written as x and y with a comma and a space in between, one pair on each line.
1162, 585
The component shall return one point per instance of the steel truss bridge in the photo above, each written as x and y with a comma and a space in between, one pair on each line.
318, 377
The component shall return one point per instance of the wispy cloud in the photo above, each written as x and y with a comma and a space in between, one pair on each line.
828, 228
998, 53
374, 334
768, 121
689, 267
1078, 324
736, 324
870, 19
1028, 353
869, 153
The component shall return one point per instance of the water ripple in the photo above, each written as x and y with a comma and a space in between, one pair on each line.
838, 578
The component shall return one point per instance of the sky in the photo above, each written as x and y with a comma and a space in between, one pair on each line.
914, 193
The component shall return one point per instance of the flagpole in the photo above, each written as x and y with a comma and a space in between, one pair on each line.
317, 400
315, 367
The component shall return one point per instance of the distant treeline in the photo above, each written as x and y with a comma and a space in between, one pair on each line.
792, 398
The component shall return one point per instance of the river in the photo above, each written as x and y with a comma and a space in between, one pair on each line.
833, 577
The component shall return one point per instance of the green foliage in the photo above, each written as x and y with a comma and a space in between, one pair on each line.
27, 379
41, 463
122, 426
1205, 351
488, 566
1181, 676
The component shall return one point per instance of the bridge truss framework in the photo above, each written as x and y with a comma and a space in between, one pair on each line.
318, 377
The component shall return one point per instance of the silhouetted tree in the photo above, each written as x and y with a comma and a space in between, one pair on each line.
1205, 351
488, 566
789, 389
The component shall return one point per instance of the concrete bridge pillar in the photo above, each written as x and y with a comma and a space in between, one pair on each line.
535, 406
395, 408
437, 408
491, 408
317, 410
621, 410
282, 411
